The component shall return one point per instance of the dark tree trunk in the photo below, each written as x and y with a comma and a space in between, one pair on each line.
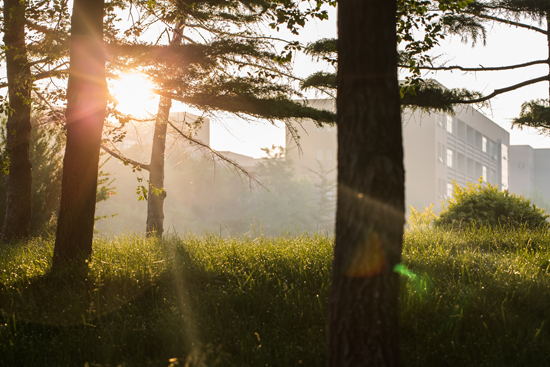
18, 201
155, 200
363, 306
548, 43
86, 103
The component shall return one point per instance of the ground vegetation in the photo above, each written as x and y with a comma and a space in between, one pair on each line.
472, 297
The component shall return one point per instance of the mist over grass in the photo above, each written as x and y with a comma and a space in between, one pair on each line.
477, 297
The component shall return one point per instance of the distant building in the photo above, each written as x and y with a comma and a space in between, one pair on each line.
244, 161
529, 170
313, 148
190, 124
439, 149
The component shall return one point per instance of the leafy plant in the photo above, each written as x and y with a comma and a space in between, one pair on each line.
421, 220
484, 205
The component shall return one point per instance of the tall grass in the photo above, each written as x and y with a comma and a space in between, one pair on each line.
239, 302
478, 297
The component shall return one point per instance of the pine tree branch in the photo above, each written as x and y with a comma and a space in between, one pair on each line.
125, 160
240, 34
496, 92
244, 103
482, 68
244, 63
56, 114
37, 27
44, 75
511, 22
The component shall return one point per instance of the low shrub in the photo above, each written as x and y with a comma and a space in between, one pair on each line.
484, 205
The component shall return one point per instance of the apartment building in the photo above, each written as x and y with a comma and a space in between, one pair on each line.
439, 149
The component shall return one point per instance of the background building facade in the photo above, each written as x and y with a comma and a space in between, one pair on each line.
529, 170
439, 149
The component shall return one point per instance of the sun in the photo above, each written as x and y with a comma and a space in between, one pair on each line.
134, 94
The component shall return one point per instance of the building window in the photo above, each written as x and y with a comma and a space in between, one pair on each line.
504, 166
440, 149
329, 157
450, 124
449, 189
484, 174
450, 157
492, 149
484, 144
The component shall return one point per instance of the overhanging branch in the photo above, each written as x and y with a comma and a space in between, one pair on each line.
511, 22
44, 75
481, 68
504, 90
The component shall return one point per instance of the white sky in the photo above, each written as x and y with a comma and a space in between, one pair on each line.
505, 44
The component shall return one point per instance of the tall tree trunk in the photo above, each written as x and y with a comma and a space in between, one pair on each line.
18, 201
86, 104
548, 43
155, 200
363, 306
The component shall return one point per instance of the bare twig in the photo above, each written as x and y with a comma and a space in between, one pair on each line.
125, 159
482, 68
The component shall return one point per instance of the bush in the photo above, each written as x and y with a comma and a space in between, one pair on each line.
484, 205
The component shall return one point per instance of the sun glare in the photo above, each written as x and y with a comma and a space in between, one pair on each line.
134, 95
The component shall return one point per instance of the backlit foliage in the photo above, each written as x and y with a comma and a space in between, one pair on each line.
484, 205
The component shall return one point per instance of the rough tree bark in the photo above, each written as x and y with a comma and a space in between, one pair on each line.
155, 200
363, 306
548, 43
86, 104
18, 201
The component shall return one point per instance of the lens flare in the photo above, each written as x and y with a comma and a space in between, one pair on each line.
368, 258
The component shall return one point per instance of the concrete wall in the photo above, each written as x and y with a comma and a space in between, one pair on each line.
542, 171
522, 169
422, 166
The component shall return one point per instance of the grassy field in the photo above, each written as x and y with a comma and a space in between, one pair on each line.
472, 298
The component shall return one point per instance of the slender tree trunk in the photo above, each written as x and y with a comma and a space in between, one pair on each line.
18, 201
363, 306
86, 103
155, 200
